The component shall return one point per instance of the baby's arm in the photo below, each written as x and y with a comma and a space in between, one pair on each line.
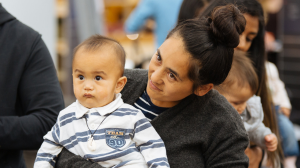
263, 137
50, 148
257, 131
149, 143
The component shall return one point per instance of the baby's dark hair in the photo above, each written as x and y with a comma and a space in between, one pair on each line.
210, 42
95, 43
242, 73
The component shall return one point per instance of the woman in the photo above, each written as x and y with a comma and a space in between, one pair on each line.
198, 126
252, 41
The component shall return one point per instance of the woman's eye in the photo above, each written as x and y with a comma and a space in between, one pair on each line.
158, 58
172, 76
98, 78
248, 40
81, 77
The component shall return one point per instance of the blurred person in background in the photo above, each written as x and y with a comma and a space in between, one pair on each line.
163, 12
277, 87
283, 108
191, 9
30, 93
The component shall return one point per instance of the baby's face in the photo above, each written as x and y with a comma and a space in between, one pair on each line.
95, 77
237, 96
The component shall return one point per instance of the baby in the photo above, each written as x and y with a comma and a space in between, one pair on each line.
239, 89
99, 126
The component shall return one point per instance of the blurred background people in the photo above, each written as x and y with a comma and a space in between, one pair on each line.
164, 13
191, 9
30, 93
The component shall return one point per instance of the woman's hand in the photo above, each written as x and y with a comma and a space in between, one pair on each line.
255, 156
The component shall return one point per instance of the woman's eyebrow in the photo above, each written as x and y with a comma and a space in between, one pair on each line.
175, 73
158, 52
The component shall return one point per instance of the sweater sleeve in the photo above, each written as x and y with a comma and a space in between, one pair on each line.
227, 141
149, 143
254, 126
67, 159
138, 17
227, 149
41, 100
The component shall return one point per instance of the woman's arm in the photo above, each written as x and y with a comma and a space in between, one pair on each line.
67, 159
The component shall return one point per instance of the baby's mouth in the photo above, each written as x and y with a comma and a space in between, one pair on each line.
87, 95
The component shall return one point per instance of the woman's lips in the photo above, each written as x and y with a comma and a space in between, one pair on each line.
87, 95
153, 87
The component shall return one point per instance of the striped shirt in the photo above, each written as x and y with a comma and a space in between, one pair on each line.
125, 138
147, 107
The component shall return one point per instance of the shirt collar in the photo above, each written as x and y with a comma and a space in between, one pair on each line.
109, 108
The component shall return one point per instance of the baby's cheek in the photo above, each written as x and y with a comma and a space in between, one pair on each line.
76, 92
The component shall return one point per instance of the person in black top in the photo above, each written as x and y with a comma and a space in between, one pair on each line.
30, 96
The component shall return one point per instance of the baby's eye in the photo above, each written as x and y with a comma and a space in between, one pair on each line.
81, 77
98, 78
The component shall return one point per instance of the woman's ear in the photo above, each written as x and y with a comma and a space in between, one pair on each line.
120, 84
202, 90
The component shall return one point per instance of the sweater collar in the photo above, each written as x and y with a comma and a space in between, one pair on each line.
107, 109
4, 15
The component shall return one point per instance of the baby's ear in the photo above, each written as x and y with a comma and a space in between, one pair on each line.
120, 84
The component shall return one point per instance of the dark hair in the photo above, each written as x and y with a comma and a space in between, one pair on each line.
242, 73
210, 42
257, 49
95, 43
258, 56
191, 9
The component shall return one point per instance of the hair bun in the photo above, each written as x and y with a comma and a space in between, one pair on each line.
226, 24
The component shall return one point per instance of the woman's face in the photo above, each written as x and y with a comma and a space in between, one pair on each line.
168, 81
251, 30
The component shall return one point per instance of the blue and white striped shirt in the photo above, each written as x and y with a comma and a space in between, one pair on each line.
124, 139
147, 107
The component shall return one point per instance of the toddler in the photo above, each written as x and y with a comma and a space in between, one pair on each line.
239, 88
99, 126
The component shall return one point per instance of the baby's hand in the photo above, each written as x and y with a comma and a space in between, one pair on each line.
271, 142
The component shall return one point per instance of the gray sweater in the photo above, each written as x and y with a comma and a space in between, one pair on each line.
253, 121
201, 131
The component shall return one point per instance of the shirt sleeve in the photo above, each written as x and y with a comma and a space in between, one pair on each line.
255, 126
149, 143
277, 87
41, 100
138, 17
47, 154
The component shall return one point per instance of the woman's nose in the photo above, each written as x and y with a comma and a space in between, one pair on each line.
156, 76
242, 45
